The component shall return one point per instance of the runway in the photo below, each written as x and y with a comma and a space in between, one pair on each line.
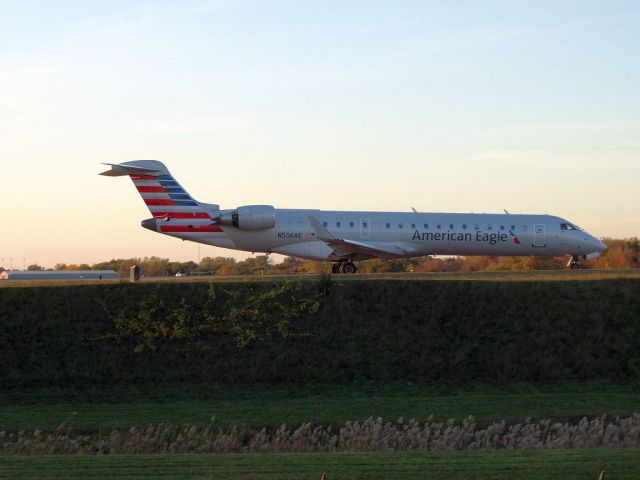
501, 276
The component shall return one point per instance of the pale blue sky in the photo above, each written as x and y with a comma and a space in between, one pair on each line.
443, 106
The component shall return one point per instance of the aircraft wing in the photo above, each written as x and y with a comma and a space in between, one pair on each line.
345, 248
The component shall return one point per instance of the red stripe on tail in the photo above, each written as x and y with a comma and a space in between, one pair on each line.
143, 177
151, 189
182, 214
158, 201
187, 228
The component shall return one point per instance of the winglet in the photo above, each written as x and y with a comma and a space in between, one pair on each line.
321, 232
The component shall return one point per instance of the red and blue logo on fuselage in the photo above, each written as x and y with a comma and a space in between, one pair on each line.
516, 240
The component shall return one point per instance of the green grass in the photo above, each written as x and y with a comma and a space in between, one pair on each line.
534, 465
265, 405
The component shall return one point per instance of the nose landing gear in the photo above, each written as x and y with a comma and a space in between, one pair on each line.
343, 267
574, 263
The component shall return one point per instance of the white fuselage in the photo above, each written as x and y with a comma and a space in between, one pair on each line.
415, 234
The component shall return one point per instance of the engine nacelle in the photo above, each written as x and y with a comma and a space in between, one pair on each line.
250, 217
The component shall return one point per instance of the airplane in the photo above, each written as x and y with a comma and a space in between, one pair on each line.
343, 237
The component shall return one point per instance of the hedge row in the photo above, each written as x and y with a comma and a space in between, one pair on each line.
326, 331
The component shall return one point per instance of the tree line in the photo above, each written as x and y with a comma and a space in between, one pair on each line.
622, 253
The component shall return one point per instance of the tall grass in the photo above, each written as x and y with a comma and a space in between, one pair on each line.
372, 434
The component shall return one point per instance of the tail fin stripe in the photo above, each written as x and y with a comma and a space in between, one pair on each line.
174, 190
182, 214
146, 183
168, 183
158, 201
184, 203
143, 189
174, 208
143, 177
194, 228
179, 196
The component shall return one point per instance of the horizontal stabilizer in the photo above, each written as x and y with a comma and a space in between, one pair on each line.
118, 170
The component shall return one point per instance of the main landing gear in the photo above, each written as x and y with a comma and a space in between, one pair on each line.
574, 263
343, 267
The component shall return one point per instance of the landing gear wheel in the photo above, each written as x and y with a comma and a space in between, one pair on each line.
574, 262
348, 267
335, 268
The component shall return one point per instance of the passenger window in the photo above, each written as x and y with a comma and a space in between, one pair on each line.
476, 226
489, 227
438, 227
426, 226
365, 225
501, 227
351, 224
513, 228
451, 226
388, 225
325, 224
464, 226
413, 225
338, 224
399, 225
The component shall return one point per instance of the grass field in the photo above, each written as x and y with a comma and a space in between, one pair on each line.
534, 465
263, 405
89, 409
512, 276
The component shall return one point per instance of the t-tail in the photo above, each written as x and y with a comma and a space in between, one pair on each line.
173, 209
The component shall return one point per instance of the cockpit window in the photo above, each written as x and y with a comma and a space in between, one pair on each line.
568, 226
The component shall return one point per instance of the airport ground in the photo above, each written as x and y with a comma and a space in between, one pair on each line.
502, 276
88, 408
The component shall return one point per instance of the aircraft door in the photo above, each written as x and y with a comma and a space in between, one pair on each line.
365, 228
539, 239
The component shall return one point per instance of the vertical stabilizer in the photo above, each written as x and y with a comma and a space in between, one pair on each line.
164, 196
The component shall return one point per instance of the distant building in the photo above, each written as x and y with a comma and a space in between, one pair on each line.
58, 275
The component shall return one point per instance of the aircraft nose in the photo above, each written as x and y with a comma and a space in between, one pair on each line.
601, 246
596, 245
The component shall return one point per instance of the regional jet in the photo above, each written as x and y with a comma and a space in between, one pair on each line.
343, 237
